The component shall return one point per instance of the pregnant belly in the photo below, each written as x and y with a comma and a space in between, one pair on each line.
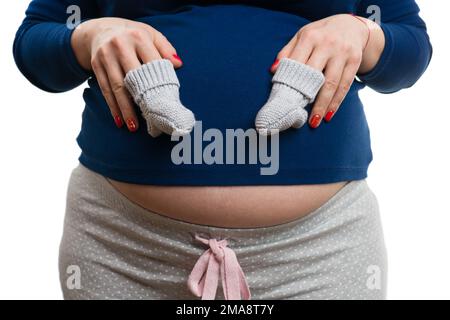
225, 81
232, 207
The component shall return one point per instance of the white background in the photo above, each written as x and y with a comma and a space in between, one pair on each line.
409, 174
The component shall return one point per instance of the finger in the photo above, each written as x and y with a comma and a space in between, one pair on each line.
123, 49
147, 51
116, 77
103, 82
166, 50
346, 82
128, 59
333, 75
318, 59
284, 53
303, 48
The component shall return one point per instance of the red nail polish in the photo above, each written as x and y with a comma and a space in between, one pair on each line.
131, 124
177, 57
275, 64
329, 116
315, 121
118, 121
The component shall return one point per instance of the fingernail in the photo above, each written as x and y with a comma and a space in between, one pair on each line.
131, 124
177, 57
329, 115
274, 64
118, 121
315, 121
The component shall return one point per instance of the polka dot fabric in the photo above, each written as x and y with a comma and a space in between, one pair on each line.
123, 251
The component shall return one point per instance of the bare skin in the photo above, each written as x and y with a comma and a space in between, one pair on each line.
233, 207
335, 45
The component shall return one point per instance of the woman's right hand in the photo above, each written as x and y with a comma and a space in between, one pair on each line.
111, 47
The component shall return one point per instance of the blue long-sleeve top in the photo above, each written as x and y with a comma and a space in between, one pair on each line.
226, 48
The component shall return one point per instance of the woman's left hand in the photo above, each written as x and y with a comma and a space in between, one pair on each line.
340, 46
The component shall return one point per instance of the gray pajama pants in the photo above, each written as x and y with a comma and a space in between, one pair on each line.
114, 249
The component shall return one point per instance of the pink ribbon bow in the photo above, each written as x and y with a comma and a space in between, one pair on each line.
218, 260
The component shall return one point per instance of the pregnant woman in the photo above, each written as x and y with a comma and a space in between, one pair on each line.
140, 225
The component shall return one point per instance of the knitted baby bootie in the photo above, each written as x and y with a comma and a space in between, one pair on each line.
155, 89
295, 85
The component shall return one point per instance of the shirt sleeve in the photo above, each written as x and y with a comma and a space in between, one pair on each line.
42, 46
407, 51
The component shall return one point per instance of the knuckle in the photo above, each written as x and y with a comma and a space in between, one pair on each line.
311, 35
95, 64
106, 91
117, 43
331, 84
346, 47
345, 87
136, 34
117, 86
355, 57
102, 53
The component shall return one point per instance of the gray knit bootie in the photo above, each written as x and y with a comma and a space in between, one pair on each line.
295, 85
155, 89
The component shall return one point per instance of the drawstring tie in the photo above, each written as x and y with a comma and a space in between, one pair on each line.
218, 260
